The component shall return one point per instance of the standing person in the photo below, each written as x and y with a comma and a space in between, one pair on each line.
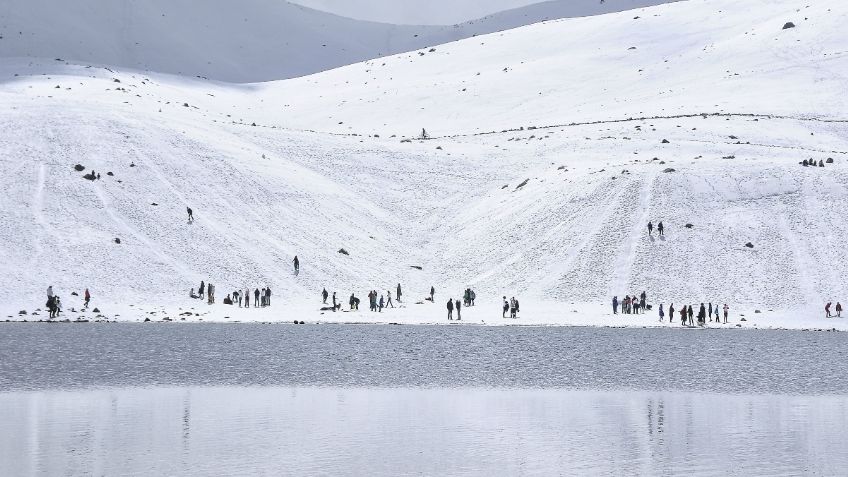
683, 315
671, 313
505, 307
473, 297
398, 293
247, 298
87, 296
450, 309
625, 307
352, 301
389, 301
58, 304
615, 305
662, 313
262, 298
726, 309
710, 312
381, 303
201, 289
691, 314
512, 311
190, 215
660, 228
827, 310
458, 310
324, 295
296, 265
256, 298
240, 297
716, 313
50, 292
838, 310
702, 315
432, 293
269, 296
650, 228
334, 301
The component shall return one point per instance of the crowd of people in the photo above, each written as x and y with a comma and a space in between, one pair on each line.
54, 302
838, 310
630, 305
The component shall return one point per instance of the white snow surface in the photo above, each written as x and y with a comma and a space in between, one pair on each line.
740, 101
240, 41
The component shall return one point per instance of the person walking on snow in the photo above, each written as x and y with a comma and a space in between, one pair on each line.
247, 298
256, 298
450, 309
201, 289
505, 307
296, 265
726, 310
458, 310
334, 301
382, 302
660, 228
827, 310
702, 315
190, 214
691, 314
838, 310
324, 295
389, 300
432, 293
268, 296
716, 313
662, 313
650, 228
671, 313
683, 315
710, 312
398, 293
615, 305
87, 297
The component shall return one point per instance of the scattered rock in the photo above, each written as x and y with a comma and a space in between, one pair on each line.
417, 267
788, 25
522, 184
343, 251
829, 160
669, 170
665, 141
74, 294
96, 310
689, 226
154, 204
742, 319
439, 148
146, 320
757, 311
749, 245
22, 312
117, 240
302, 322
79, 168
110, 173
296, 322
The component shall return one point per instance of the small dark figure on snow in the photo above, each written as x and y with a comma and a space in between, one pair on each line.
505, 307
838, 310
256, 302
615, 305
432, 293
190, 214
827, 310
87, 297
458, 310
202, 289
671, 313
450, 309
660, 228
650, 228
398, 293
324, 295
334, 301
296, 265
691, 314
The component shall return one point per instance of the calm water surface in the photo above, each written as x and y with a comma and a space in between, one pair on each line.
144, 399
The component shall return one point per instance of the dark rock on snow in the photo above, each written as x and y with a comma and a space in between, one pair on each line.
788, 25
749, 245
669, 170
829, 160
343, 251
79, 168
117, 240
689, 226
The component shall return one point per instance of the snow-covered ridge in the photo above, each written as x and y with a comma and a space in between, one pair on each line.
239, 41
710, 133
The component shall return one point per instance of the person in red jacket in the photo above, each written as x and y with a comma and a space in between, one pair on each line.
87, 297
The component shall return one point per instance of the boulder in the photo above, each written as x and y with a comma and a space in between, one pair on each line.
669, 170
79, 168
829, 160
665, 141
343, 251
117, 240
788, 25
749, 245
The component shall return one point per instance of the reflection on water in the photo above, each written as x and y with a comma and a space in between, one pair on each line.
308, 431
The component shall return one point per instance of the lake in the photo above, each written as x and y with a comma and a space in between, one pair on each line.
204, 399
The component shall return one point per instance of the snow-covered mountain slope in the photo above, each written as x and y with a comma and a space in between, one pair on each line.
726, 98
244, 41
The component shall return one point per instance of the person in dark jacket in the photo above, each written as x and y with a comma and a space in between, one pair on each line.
458, 310
200, 290
256, 298
296, 265
660, 228
838, 310
324, 295
505, 307
268, 296
450, 309
398, 293
432, 293
671, 313
650, 228
691, 314
615, 305
335, 306
702, 315
710, 311
190, 214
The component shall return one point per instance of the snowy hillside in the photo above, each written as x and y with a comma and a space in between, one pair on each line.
551, 207
240, 41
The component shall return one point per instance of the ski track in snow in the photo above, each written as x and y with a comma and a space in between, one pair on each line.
627, 255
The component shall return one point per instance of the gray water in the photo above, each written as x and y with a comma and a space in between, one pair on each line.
145, 399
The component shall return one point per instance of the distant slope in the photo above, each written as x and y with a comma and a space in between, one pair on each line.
703, 123
244, 41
